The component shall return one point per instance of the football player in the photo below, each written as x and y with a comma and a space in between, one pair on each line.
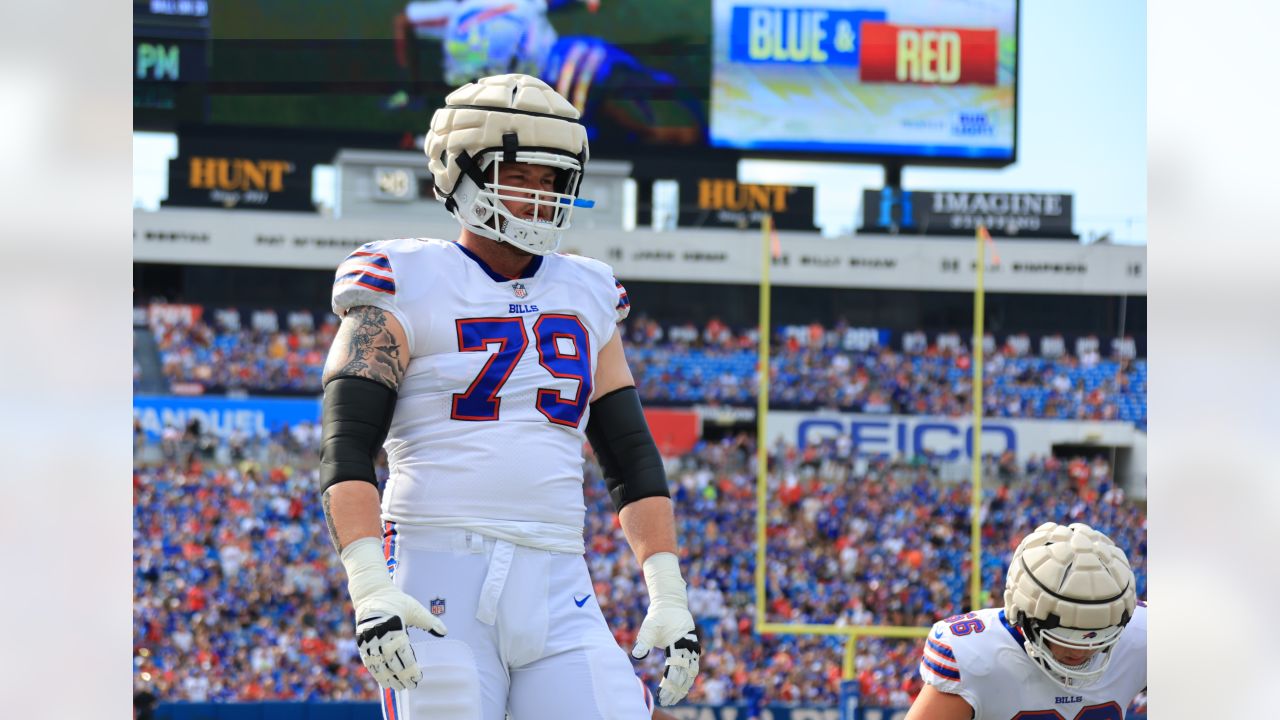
1069, 644
613, 91
481, 365
479, 37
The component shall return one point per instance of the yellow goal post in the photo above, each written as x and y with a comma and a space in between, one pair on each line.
853, 632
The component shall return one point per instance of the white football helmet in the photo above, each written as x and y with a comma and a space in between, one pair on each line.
507, 118
1069, 585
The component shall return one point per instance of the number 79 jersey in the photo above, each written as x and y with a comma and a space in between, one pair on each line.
979, 657
492, 412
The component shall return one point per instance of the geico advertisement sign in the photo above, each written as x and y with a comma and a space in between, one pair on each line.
894, 435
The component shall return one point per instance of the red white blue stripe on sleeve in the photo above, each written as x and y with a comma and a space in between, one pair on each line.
942, 650
623, 300
368, 270
940, 659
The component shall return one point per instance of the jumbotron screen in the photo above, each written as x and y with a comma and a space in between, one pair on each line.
637, 71
931, 80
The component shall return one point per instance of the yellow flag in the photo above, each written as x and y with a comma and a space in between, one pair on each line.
991, 244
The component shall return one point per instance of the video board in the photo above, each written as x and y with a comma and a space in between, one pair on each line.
638, 72
170, 58
919, 80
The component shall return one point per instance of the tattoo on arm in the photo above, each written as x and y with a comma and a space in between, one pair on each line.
365, 347
328, 520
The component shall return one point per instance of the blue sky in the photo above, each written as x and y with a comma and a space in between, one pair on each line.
1082, 129
1082, 125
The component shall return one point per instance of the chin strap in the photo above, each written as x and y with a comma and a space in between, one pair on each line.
471, 168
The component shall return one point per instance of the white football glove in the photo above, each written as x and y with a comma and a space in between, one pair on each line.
384, 613
668, 624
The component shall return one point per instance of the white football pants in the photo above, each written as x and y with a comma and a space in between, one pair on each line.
526, 636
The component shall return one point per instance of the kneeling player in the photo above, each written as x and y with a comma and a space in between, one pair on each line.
1069, 644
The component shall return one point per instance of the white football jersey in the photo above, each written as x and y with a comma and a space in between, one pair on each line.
979, 657
491, 415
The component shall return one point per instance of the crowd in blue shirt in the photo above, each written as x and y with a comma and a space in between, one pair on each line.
239, 594
713, 364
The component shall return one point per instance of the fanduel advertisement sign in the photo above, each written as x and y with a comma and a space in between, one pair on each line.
947, 212
674, 429
253, 416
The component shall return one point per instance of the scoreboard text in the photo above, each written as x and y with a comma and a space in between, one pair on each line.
928, 55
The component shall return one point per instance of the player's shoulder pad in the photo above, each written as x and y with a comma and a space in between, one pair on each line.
371, 274
963, 646
603, 273
398, 248
591, 265
939, 664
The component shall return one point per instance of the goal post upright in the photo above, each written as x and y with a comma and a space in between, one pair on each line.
762, 626
762, 414
975, 395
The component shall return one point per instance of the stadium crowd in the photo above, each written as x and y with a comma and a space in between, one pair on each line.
223, 353
811, 367
239, 595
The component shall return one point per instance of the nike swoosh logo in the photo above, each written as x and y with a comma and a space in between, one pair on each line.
937, 634
581, 602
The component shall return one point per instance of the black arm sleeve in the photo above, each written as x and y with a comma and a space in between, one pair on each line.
621, 440
356, 416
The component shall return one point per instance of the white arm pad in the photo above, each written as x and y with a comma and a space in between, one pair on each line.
366, 569
666, 585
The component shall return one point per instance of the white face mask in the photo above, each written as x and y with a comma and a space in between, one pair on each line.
1100, 642
477, 208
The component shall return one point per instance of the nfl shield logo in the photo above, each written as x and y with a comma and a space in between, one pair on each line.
437, 606
519, 290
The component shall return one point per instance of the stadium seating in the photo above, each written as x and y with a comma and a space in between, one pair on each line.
685, 365
239, 596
